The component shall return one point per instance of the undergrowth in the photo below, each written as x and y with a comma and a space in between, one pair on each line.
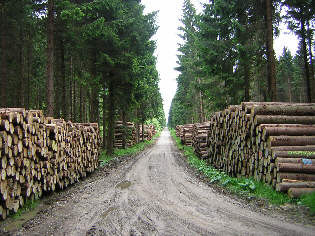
105, 159
242, 186
29, 205
309, 201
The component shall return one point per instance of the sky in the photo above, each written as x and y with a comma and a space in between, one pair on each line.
170, 12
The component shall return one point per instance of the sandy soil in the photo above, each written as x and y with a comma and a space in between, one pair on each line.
152, 194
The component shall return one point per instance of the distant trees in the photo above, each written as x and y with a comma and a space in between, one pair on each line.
229, 52
80, 60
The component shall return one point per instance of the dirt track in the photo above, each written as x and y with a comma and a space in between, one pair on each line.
152, 194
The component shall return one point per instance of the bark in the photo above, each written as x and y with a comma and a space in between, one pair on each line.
292, 130
295, 176
22, 70
63, 81
50, 59
111, 118
284, 109
293, 155
95, 92
284, 187
104, 114
306, 64
201, 112
309, 41
271, 70
298, 192
289, 89
291, 140
4, 69
295, 167
293, 148
267, 119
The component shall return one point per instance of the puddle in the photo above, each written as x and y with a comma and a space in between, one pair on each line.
109, 210
123, 185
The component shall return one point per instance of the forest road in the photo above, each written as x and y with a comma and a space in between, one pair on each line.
153, 194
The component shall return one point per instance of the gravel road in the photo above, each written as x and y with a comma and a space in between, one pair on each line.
153, 194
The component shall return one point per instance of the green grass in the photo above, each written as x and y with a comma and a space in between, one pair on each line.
105, 159
242, 186
28, 206
309, 201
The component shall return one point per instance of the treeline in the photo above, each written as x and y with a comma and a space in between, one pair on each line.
227, 57
80, 60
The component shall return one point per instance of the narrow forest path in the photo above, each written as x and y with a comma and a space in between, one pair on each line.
153, 194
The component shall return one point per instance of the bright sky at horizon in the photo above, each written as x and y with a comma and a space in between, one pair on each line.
168, 20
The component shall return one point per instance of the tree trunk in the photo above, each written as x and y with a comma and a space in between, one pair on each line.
309, 41
95, 91
111, 118
289, 89
4, 72
104, 113
63, 81
50, 59
306, 64
201, 113
22, 70
271, 70
71, 90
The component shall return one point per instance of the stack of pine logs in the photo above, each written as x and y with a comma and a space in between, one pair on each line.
186, 135
267, 141
272, 142
149, 131
200, 136
130, 134
41, 154
178, 130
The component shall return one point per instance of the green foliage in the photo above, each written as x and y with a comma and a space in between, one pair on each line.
29, 205
309, 201
243, 186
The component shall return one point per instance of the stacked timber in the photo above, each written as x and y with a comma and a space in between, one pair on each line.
200, 136
179, 130
187, 136
130, 134
149, 131
41, 154
272, 142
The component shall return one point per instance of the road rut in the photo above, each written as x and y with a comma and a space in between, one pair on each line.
153, 194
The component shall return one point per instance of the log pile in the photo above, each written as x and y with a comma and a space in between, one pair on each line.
187, 137
200, 136
40, 154
179, 130
272, 142
149, 132
130, 134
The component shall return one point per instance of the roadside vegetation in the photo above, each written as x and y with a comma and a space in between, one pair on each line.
247, 187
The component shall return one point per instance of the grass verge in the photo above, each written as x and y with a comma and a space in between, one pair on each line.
309, 201
241, 186
105, 159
